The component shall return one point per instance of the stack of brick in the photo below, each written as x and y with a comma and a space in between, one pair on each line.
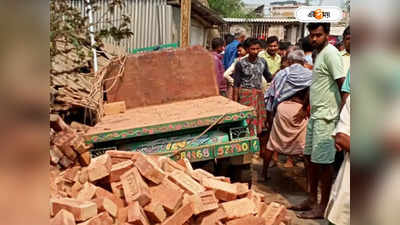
130, 188
67, 145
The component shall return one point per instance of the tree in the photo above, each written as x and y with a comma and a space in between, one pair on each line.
69, 33
230, 8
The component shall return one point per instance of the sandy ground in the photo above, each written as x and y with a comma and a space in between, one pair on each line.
287, 185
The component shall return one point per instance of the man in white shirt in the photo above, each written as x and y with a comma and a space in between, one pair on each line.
338, 209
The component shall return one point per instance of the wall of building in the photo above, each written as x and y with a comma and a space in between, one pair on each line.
151, 21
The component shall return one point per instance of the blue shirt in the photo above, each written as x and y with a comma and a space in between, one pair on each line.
230, 53
346, 85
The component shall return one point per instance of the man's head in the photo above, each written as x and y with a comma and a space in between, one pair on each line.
218, 45
240, 35
272, 45
228, 38
346, 39
306, 44
283, 48
296, 56
241, 50
319, 33
253, 47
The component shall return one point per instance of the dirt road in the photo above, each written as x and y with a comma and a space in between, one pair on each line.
285, 186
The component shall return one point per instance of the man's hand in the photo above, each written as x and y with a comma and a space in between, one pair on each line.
300, 116
342, 142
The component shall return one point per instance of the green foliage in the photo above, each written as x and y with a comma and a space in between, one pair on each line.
69, 31
230, 8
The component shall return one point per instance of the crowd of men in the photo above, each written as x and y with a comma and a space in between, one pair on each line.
301, 97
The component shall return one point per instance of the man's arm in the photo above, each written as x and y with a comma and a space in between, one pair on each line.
237, 81
340, 82
267, 75
302, 113
342, 142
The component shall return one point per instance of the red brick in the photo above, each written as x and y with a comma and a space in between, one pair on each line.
249, 220
78, 144
238, 208
223, 179
68, 150
202, 202
145, 73
83, 176
274, 214
122, 215
199, 174
87, 193
256, 198
55, 154
57, 123
118, 169
84, 158
101, 193
120, 156
99, 168
75, 189
168, 194
155, 212
149, 169
180, 216
136, 215
105, 204
101, 219
66, 162
213, 217
186, 182
223, 191
117, 189
82, 210
63, 217
169, 165
242, 188
71, 174
135, 189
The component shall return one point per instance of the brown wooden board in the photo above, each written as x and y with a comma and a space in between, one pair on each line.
166, 76
168, 117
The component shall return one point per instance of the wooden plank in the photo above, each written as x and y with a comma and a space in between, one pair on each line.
185, 23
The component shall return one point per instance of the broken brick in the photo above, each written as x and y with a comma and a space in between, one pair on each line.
212, 218
118, 169
99, 168
100, 219
120, 156
168, 194
250, 220
87, 192
136, 215
155, 212
135, 189
274, 214
63, 217
84, 158
117, 189
122, 215
102, 193
202, 202
82, 210
149, 169
55, 154
223, 191
238, 208
180, 216
186, 182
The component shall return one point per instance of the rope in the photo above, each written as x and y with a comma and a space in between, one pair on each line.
190, 142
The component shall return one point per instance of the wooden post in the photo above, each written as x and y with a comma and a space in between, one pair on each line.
185, 23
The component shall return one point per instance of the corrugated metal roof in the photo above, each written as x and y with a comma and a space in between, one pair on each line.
262, 20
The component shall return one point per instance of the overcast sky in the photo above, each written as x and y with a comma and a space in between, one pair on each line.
324, 2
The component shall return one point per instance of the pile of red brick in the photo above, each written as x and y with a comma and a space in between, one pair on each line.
67, 145
132, 188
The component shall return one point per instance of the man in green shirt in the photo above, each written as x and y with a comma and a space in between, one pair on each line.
325, 100
271, 55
